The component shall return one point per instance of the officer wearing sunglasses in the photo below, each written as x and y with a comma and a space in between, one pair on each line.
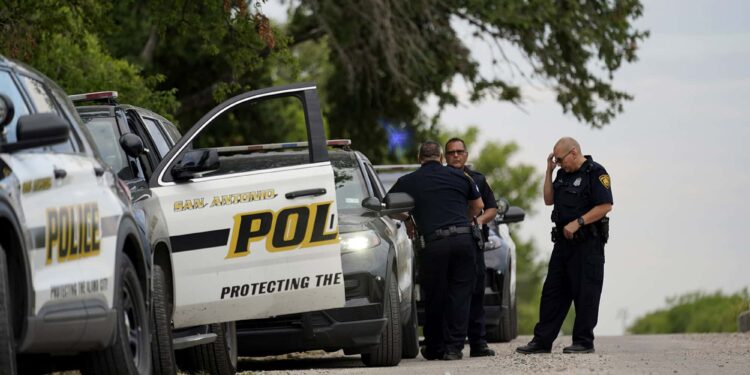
582, 196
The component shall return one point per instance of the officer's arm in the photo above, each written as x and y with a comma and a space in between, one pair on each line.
487, 216
595, 214
475, 207
549, 193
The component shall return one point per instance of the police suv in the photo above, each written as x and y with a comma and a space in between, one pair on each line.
74, 275
234, 240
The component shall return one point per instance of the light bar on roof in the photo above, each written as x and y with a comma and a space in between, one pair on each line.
99, 95
280, 146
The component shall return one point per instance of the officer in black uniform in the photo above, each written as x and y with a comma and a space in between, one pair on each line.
582, 196
441, 198
456, 155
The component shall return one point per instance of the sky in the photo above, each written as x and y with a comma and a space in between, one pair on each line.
675, 156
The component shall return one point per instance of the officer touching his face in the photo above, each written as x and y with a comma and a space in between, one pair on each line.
582, 196
456, 156
441, 198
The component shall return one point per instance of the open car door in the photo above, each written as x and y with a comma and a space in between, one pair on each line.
251, 239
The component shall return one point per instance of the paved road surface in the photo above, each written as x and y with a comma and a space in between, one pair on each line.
641, 354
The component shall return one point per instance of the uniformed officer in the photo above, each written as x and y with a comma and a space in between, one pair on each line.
441, 197
582, 196
456, 155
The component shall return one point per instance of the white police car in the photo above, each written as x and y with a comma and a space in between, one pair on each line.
74, 274
237, 240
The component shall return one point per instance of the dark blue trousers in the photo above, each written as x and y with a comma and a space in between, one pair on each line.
575, 275
447, 277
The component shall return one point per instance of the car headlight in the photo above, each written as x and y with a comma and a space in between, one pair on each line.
356, 241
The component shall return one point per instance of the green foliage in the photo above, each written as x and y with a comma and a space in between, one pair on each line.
695, 312
390, 56
53, 38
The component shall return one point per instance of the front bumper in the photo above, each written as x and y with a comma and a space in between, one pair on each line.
355, 327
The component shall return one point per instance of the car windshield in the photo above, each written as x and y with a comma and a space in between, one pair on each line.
350, 184
104, 133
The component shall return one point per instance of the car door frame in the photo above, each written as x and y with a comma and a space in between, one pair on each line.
313, 120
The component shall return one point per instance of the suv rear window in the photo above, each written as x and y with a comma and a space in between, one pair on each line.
104, 132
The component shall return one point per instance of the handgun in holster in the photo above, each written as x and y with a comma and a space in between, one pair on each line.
476, 232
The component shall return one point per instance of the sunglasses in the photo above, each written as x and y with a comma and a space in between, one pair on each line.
455, 152
559, 159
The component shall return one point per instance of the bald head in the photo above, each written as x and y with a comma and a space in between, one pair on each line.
567, 143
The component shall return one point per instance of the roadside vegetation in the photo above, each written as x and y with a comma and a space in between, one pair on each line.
695, 312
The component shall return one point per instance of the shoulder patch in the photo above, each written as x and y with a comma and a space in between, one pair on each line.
604, 179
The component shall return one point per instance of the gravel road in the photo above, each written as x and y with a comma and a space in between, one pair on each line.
639, 354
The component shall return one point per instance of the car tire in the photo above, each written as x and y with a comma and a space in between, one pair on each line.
131, 351
162, 351
410, 335
8, 352
216, 358
388, 353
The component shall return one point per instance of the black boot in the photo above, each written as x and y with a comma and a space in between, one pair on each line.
481, 351
578, 348
533, 348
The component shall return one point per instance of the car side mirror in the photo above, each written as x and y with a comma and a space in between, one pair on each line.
372, 203
6, 110
196, 163
132, 144
40, 129
514, 214
502, 206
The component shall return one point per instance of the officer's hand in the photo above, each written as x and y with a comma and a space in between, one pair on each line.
551, 162
571, 229
411, 230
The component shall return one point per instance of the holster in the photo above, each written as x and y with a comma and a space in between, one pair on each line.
476, 232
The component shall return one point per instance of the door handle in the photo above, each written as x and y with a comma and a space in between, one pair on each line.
305, 193
60, 173
98, 171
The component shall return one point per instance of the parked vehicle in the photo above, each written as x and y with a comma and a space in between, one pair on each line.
223, 231
500, 261
74, 268
379, 318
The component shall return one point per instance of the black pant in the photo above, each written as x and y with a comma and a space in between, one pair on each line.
575, 274
476, 309
447, 276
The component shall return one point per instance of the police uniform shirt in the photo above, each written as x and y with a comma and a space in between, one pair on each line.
578, 192
488, 197
441, 196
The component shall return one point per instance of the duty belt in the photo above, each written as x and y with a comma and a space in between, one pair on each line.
446, 232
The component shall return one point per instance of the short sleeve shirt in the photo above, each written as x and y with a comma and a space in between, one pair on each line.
488, 196
441, 196
578, 192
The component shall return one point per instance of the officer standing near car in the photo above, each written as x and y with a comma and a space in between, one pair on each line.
582, 196
441, 198
456, 155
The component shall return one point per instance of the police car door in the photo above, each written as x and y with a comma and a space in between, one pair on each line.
250, 239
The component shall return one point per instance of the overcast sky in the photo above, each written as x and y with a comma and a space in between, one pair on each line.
676, 156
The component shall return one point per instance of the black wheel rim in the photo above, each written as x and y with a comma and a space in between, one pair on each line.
133, 323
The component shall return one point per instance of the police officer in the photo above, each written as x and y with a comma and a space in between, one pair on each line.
582, 196
456, 155
441, 197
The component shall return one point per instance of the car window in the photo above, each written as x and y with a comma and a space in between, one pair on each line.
375, 182
162, 146
39, 96
271, 127
9, 88
104, 132
350, 183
